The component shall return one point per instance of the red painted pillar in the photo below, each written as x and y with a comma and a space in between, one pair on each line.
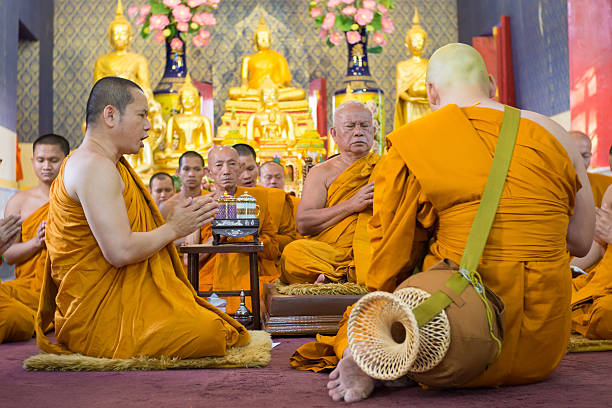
590, 71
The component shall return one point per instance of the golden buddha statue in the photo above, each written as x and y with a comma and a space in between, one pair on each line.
187, 130
411, 97
143, 162
120, 62
265, 62
269, 125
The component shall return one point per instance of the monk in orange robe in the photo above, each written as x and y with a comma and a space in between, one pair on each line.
161, 187
599, 182
428, 189
19, 297
114, 284
231, 271
335, 206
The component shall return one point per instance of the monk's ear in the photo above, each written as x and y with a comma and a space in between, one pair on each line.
110, 115
492, 86
433, 95
332, 132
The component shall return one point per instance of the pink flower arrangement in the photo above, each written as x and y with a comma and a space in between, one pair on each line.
174, 19
350, 19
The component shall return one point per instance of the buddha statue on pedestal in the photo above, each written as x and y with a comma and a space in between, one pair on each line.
265, 62
411, 93
187, 130
120, 62
269, 125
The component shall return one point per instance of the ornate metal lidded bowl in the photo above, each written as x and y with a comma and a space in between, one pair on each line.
237, 217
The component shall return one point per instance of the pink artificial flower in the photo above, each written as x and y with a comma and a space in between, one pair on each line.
207, 19
379, 39
335, 38
383, 10
323, 33
369, 4
195, 3
172, 3
183, 27
132, 11
176, 44
387, 25
141, 20
182, 13
197, 41
204, 34
353, 37
349, 10
315, 12
214, 3
333, 3
328, 21
158, 21
144, 10
159, 37
364, 16
348, 1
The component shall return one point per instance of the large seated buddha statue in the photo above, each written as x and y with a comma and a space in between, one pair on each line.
187, 130
265, 63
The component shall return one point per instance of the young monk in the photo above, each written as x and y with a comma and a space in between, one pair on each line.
19, 297
114, 284
428, 190
161, 187
599, 182
335, 206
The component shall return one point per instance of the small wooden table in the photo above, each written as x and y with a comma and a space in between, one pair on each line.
193, 271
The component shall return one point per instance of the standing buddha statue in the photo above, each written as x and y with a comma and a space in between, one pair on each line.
265, 62
187, 130
411, 97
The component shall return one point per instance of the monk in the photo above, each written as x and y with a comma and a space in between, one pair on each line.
428, 189
19, 297
272, 174
335, 206
280, 204
161, 187
231, 271
114, 284
599, 182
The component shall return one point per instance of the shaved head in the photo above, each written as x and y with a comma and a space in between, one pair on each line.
583, 142
224, 168
458, 66
222, 151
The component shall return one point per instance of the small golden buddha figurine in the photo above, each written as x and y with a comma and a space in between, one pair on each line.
143, 162
411, 96
187, 130
120, 62
270, 125
265, 62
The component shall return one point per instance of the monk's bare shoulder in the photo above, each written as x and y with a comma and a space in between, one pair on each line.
86, 167
14, 204
327, 171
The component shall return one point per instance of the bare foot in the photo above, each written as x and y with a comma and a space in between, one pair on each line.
347, 382
321, 279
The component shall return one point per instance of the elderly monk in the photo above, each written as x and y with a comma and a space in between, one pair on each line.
335, 206
114, 283
599, 182
19, 297
427, 192
161, 187
231, 271
272, 174
280, 204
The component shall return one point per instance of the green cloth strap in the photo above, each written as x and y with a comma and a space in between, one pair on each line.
481, 226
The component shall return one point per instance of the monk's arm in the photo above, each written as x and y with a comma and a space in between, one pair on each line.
313, 217
19, 251
595, 254
10, 228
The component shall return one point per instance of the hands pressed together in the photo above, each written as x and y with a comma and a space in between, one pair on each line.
9, 228
186, 216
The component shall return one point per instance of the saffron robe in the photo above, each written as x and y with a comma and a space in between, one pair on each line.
146, 308
19, 297
282, 215
331, 252
599, 185
231, 271
432, 181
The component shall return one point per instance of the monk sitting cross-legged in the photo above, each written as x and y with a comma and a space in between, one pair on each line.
335, 206
114, 283
428, 189
19, 297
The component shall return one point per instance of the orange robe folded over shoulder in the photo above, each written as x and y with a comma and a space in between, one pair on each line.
143, 309
19, 297
599, 185
231, 271
432, 181
333, 252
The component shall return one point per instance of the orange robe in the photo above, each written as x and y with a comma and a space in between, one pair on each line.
432, 181
331, 252
282, 215
599, 185
146, 308
231, 271
19, 297
592, 300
